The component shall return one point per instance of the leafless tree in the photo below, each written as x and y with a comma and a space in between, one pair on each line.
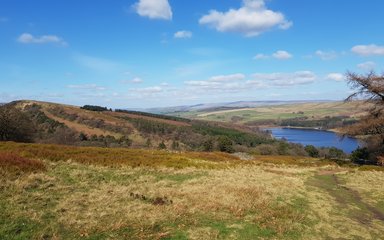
370, 88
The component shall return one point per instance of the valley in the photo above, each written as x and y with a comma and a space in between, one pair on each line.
95, 173
327, 115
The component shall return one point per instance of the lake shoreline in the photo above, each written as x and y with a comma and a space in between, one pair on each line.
334, 130
314, 136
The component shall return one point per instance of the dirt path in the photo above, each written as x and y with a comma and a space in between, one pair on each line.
79, 127
348, 200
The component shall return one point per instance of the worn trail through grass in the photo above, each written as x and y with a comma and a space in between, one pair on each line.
61, 192
346, 197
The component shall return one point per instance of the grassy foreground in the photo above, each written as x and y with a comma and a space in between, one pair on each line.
58, 192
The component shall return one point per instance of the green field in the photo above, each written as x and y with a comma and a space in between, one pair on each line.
279, 112
56, 192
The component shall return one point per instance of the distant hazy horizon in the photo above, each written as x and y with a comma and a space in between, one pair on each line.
150, 54
203, 105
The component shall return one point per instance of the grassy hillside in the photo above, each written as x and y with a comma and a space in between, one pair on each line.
277, 114
64, 124
56, 192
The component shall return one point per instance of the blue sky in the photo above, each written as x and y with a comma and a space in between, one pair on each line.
154, 53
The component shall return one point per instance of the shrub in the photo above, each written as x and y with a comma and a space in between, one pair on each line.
312, 151
208, 145
83, 137
162, 145
94, 108
335, 153
360, 154
225, 144
380, 161
14, 162
266, 149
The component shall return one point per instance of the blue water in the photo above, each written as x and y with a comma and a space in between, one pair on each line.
316, 138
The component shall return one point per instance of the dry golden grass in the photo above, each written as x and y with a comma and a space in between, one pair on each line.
91, 204
121, 157
10, 162
291, 160
345, 204
101, 193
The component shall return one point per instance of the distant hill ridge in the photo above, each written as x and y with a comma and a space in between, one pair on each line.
228, 105
99, 126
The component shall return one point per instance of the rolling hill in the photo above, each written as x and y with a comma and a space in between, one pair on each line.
328, 115
50, 191
65, 124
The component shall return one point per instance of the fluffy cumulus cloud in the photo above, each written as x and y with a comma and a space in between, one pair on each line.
368, 50
251, 19
183, 34
239, 82
220, 83
29, 38
260, 56
285, 79
154, 9
367, 66
326, 55
282, 55
227, 78
338, 77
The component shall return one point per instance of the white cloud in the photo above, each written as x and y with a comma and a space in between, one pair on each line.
282, 55
86, 87
368, 50
219, 83
154, 89
251, 19
147, 92
236, 82
367, 66
29, 38
285, 79
154, 9
323, 55
256, 84
260, 56
135, 80
227, 78
183, 34
338, 77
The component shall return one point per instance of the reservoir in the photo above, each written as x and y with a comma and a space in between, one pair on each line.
317, 138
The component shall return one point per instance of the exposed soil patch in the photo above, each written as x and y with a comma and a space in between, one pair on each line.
348, 199
166, 121
78, 127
